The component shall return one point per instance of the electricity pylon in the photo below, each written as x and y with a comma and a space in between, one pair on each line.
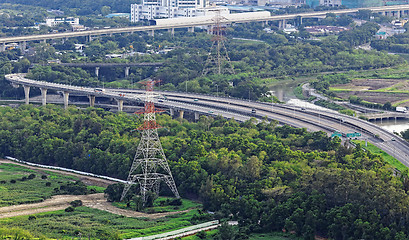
149, 166
218, 56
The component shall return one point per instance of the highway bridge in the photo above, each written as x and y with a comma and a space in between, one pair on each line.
241, 110
396, 10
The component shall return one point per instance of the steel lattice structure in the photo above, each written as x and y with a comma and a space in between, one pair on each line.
149, 166
218, 53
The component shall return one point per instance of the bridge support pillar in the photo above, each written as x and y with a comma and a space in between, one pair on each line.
3, 47
181, 113
120, 105
399, 14
127, 71
23, 46
282, 24
66, 95
151, 33
91, 100
172, 31
44, 96
27, 94
89, 38
97, 71
191, 29
171, 112
197, 116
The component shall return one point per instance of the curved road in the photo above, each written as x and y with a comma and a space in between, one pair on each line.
241, 110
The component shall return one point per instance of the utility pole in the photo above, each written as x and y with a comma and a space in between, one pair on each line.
149, 166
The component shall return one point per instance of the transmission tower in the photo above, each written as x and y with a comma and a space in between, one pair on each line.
149, 166
218, 56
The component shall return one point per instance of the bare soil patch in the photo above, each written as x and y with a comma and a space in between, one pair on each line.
60, 202
368, 84
375, 97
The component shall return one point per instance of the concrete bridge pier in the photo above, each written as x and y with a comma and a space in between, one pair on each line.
23, 46
120, 105
197, 116
91, 100
3, 47
66, 96
127, 71
181, 113
89, 38
27, 94
171, 112
172, 31
44, 96
282, 24
97, 71
191, 29
151, 33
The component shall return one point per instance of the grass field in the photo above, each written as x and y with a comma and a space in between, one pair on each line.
95, 223
389, 159
14, 190
83, 221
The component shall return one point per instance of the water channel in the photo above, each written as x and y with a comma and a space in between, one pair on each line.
286, 94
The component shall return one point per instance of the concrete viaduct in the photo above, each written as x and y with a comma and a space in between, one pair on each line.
241, 110
396, 10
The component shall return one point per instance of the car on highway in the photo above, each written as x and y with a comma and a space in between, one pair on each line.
195, 99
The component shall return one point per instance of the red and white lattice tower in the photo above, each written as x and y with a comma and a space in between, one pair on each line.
149, 166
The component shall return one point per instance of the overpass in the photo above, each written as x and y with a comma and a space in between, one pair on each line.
396, 10
241, 110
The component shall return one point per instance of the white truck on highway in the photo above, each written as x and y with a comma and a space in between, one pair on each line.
401, 109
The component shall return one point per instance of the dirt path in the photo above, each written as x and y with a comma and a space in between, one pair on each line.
61, 202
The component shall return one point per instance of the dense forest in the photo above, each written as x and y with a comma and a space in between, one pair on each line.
268, 177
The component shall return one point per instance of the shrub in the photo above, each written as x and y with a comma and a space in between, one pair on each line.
43, 177
12, 181
69, 209
32, 217
76, 203
176, 202
23, 178
31, 176
3, 182
47, 184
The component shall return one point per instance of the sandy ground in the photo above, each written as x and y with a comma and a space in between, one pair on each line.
60, 202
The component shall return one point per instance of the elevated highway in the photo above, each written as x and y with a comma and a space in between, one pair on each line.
396, 10
241, 110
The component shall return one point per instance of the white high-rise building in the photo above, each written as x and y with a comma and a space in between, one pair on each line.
154, 9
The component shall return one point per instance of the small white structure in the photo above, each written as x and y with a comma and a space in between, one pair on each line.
52, 22
401, 109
